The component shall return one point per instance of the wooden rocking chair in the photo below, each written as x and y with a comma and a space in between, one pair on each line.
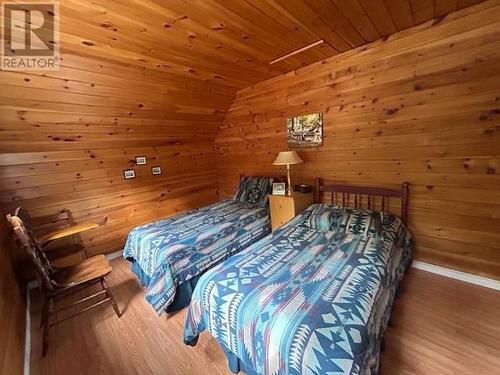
57, 283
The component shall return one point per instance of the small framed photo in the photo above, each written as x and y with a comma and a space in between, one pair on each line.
156, 170
140, 160
128, 174
279, 188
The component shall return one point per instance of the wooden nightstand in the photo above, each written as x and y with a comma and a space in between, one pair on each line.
284, 208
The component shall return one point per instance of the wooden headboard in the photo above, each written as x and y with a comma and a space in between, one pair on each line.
359, 192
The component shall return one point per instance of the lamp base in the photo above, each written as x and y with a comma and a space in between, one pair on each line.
289, 190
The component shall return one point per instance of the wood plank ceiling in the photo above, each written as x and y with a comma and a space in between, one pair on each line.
232, 42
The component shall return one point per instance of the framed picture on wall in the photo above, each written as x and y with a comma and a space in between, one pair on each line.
140, 160
305, 130
279, 188
156, 170
129, 174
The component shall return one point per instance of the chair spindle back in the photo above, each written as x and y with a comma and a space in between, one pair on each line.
25, 236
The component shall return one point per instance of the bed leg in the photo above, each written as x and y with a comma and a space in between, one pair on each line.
193, 342
400, 290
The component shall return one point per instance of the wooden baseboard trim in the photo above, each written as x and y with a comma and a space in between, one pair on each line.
458, 275
27, 332
114, 255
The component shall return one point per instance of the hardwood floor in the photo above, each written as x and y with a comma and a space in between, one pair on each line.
439, 326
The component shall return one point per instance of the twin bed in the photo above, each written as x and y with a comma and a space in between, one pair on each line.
313, 297
169, 256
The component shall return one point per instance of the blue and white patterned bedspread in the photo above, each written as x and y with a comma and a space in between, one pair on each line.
172, 251
302, 301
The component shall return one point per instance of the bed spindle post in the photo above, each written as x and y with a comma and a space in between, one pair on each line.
343, 199
317, 192
369, 202
383, 203
356, 201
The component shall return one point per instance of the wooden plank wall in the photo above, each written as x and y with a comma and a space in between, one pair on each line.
67, 136
421, 106
12, 314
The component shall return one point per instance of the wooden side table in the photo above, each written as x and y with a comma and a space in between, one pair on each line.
284, 208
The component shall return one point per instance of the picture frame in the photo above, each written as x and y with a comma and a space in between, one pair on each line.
156, 170
305, 130
279, 188
129, 174
141, 160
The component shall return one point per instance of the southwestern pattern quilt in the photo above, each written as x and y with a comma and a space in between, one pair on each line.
174, 250
303, 301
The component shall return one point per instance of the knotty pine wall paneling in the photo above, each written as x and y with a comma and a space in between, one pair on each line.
66, 137
421, 106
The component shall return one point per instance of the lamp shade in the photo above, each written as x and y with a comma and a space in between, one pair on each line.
287, 158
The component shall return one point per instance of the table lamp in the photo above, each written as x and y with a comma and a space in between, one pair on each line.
288, 158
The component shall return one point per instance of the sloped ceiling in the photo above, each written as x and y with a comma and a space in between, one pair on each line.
232, 41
